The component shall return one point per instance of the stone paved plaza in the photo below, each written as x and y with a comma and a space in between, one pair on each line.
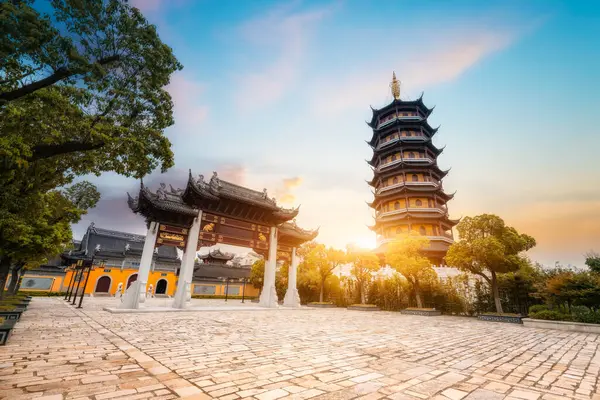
58, 352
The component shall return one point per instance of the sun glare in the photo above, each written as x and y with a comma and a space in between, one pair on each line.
366, 242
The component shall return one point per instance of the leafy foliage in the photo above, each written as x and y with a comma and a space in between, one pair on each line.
488, 247
363, 266
405, 255
87, 83
323, 261
592, 260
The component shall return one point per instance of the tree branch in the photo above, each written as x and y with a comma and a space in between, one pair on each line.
50, 150
58, 75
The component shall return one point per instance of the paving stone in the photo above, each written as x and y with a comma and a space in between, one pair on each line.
292, 354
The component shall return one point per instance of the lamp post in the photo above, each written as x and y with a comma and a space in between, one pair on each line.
74, 278
87, 278
68, 292
243, 288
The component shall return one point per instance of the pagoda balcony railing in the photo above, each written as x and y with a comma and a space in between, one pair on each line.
382, 166
411, 209
441, 237
409, 183
418, 138
402, 118
423, 160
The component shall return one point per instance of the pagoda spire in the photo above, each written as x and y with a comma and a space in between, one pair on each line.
395, 86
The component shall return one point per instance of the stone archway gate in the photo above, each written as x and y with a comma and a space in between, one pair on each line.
209, 213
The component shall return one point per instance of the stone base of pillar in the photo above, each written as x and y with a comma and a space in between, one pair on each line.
268, 298
292, 298
132, 297
180, 300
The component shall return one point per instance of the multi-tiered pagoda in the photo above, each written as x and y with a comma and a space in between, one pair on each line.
407, 181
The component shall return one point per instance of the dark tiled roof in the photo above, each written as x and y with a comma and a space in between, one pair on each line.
115, 243
162, 200
217, 254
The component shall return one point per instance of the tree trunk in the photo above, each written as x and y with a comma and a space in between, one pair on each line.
496, 293
418, 294
362, 293
14, 278
20, 280
4, 269
322, 290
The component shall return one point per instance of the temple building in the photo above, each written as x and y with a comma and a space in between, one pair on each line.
407, 182
120, 254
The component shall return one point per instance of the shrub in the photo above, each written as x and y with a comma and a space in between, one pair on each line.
585, 315
537, 308
40, 293
551, 315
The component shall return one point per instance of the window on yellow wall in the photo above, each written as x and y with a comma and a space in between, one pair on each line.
411, 155
398, 230
415, 178
397, 205
422, 230
393, 157
395, 180
418, 203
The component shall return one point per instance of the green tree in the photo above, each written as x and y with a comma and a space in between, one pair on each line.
81, 91
324, 260
45, 230
592, 260
488, 247
363, 266
257, 273
405, 255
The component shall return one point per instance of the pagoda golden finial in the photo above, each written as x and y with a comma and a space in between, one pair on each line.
395, 85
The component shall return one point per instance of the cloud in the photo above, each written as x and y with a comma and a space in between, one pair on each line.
285, 35
283, 192
187, 97
154, 5
234, 173
443, 62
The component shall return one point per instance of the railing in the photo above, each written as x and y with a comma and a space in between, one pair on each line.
383, 144
418, 138
410, 209
400, 184
389, 164
418, 160
406, 118
446, 238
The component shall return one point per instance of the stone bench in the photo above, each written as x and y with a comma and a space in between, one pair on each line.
6, 328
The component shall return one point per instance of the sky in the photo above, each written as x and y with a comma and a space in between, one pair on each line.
275, 94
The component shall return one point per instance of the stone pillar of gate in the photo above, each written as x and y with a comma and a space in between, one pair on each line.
292, 298
268, 296
186, 271
136, 293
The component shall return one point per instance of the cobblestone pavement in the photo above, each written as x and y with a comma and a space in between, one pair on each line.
60, 352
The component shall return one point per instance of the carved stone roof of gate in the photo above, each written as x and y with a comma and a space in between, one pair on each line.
292, 230
217, 188
161, 199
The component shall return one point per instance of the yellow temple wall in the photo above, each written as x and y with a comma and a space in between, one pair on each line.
61, 283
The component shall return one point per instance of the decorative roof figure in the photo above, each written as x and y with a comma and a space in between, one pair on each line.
395, 85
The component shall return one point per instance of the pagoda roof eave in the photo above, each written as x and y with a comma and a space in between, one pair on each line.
419, 190
411, 167
292, 231
405, 145
402, 103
